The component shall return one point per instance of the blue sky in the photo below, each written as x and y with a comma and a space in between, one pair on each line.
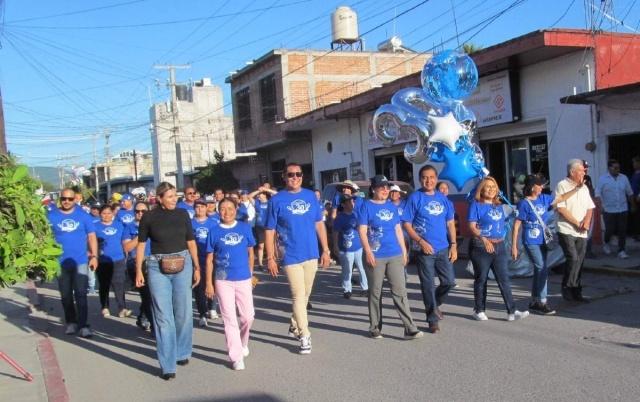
70, 70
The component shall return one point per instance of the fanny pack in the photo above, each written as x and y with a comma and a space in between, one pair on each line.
171, 264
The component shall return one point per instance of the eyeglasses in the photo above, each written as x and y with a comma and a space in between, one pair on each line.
140, 211
67, 198
294, 174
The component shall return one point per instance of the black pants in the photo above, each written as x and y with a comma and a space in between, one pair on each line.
616, 224
145, 295
574, 249
112, 275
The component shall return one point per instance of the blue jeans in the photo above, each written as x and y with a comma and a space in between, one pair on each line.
172, 311
498, 261
73, 282
538, 256
347, 258
92, 281
428, 266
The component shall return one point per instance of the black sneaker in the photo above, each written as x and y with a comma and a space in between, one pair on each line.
415, 334
376, 334
347, 295
535, 306
546, 310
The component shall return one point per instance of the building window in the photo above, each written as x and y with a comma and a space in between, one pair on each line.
268, 98
243, 106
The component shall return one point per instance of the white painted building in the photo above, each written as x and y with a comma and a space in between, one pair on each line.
203, 129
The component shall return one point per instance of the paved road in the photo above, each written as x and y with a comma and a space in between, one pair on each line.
586, 352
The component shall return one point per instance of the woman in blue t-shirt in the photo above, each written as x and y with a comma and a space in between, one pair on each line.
487, 224
229, 268
112, 266
385, 255
202, 224
534, 205
260, 199
347, 245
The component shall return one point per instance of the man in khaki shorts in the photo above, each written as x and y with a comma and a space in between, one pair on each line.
294, 214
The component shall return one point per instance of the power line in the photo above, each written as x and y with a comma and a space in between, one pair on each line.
84, 11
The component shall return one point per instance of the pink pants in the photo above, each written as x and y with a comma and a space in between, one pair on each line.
232, 294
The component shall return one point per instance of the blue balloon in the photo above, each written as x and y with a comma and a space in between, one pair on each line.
449, 76
459, 166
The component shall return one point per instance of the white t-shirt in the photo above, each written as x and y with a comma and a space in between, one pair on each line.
577, 205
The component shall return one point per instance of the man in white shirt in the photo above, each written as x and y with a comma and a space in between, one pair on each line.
573, 226
613, 196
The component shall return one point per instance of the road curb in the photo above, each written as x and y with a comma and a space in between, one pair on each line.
613, 271
51, 370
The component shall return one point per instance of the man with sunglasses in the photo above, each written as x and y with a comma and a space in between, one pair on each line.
188, 202
294, 215
74, 232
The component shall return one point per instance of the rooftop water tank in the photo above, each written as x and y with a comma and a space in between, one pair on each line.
344, 25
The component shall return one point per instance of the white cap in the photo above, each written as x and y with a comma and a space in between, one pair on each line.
395, 187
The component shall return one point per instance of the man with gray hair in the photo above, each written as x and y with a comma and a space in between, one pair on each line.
573, 226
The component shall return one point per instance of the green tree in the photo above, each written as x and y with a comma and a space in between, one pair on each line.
27, 246
470, 48
216, 175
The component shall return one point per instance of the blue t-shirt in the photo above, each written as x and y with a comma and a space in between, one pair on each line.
490, 219
126, 216
229, 246
381, 220
70, 232
531, 228
346, 225
261, 212
335, 204
429, 214
201, 233
294, 217
215, 218
243, 213
189, 208
131, 233
110, 241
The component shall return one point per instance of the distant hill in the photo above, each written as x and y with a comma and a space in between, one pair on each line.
45, 174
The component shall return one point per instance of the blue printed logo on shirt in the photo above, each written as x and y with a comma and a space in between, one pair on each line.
110, 231
434, 208
68, 225
299, 207
385, 215
202, 232
127, 218
495, 214
231, 239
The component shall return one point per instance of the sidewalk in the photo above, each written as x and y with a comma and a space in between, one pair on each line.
611, 264
29, 347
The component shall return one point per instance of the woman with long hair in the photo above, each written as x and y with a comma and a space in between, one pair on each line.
487, 224
172, 267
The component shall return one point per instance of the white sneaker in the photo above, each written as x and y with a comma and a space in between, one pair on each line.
239, 365
213, 315
305, 345
623, 255
71, 329
518, 315
86, 332
245, 351
606, 249
481, 316
203, 322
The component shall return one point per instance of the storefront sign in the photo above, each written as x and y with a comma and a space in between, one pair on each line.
491, 102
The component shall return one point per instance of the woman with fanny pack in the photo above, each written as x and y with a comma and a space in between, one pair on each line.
172, 267
488, 252
533, 211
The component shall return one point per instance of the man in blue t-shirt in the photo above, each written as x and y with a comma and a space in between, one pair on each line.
189, 201
428, 219
74, 232
126, 214
295, 216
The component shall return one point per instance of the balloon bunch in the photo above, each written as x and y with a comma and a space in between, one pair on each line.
435, 115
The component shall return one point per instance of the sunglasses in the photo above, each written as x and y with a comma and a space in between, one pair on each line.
67, 198
190, 193
140, 211
294, 174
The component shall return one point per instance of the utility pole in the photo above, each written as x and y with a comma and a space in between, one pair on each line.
174, 113
135, 167
95, 167
107, 154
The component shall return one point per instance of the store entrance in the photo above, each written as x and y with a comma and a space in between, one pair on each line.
623, 148
394, 167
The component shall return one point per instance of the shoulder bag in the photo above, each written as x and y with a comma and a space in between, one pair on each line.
550, 237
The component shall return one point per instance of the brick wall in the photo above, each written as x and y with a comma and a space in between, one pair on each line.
331, 91
342, 65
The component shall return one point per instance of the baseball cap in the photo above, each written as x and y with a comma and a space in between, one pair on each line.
200, 201
397, 188
126, 197
379, 180
210, 199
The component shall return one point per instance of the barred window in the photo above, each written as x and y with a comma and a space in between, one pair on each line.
268, 98
243, 106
